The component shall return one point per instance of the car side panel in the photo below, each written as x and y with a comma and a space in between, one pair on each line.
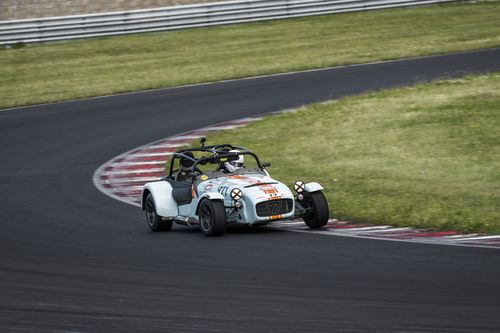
212, 196
162, 195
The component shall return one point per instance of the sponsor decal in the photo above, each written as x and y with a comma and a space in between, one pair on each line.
245, 179
208, 187
223, 190
251, 181
238, 177
268, 189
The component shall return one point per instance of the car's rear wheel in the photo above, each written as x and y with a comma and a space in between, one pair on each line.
153, 220
212, 216
317, 213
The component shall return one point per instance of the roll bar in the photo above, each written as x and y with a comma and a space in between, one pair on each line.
217, 154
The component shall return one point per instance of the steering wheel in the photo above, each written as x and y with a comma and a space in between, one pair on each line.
196, 172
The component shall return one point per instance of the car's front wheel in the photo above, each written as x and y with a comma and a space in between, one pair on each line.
212, 216
316, 214
153, 220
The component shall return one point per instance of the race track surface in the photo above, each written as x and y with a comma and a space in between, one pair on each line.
75, 260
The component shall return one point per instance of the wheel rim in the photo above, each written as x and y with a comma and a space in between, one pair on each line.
150, 212
206, 218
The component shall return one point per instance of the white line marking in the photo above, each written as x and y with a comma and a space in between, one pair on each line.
165, 145
148, 155
185, 137
222, 128
115, 172
431, 241
127, 189
458, 237
120, 164
364, 229
133, 180
390, 230
479, 238
249, 119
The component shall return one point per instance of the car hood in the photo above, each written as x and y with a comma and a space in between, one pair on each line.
258, 187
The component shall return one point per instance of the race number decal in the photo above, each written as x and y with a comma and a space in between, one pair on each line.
223, 190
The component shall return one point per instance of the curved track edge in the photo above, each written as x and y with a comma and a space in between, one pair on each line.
123, 176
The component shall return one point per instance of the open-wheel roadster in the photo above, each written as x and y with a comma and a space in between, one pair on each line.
209, 186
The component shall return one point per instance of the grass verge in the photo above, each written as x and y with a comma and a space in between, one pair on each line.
54, 72
423, 156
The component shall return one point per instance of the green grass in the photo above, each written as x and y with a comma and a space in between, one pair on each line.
47, 73
424, 156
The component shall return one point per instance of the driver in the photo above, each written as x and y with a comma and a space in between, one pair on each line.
232, 166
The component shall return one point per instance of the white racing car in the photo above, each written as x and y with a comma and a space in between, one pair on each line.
210, 186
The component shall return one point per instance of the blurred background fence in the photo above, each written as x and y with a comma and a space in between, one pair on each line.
178, 17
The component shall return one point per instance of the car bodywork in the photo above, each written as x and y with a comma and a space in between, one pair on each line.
248, 195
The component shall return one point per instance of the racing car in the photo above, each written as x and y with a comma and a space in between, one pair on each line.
212, 186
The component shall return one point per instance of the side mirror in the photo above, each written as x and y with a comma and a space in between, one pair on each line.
266, 164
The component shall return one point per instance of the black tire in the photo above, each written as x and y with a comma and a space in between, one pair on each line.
212, 216
317, 213
154, 221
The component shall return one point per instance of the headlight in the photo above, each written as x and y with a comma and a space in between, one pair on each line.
236, 194
299, 186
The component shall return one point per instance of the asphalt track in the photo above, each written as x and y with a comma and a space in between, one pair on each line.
75, 260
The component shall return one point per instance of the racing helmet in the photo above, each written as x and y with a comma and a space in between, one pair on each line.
232, 166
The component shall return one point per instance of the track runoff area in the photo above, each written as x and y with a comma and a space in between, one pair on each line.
123, 177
